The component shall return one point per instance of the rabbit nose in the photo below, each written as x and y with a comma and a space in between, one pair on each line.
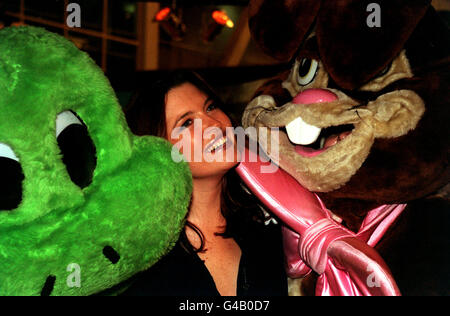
314, 96
300, 132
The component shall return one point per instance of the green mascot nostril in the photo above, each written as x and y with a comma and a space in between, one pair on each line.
122, 216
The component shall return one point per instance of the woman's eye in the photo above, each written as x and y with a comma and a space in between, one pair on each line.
186, 123
307, 71
211, 107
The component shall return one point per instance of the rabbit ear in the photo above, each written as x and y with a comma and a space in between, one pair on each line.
352, 51
280, 26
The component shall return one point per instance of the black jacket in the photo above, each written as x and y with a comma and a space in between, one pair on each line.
179, 273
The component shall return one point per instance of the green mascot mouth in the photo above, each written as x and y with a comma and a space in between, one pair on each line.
82, 194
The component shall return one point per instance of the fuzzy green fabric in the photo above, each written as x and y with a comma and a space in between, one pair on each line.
138, 198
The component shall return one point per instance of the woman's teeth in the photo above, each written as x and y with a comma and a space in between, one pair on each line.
301, 133
217, 144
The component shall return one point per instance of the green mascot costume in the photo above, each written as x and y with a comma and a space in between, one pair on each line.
84, 204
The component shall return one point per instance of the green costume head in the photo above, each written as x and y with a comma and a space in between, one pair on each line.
84, 204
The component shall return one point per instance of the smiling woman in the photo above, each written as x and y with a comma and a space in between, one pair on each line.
225, 248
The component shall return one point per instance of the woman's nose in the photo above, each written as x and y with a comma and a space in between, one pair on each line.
210, 122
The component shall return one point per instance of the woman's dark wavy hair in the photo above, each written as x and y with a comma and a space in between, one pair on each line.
146, 115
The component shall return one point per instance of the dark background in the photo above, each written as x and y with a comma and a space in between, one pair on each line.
133, 50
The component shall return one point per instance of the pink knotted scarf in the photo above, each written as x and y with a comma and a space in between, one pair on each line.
314, 240
334, 280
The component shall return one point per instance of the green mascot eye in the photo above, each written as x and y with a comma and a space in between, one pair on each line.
84, 204
77, 148
10, 180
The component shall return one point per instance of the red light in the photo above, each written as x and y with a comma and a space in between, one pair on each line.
222, 18
162, 14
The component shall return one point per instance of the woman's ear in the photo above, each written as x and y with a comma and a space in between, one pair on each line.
280, 26
358, 39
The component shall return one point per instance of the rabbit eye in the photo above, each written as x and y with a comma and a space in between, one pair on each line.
307, 71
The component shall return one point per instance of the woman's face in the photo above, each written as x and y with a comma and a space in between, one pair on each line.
198, 128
